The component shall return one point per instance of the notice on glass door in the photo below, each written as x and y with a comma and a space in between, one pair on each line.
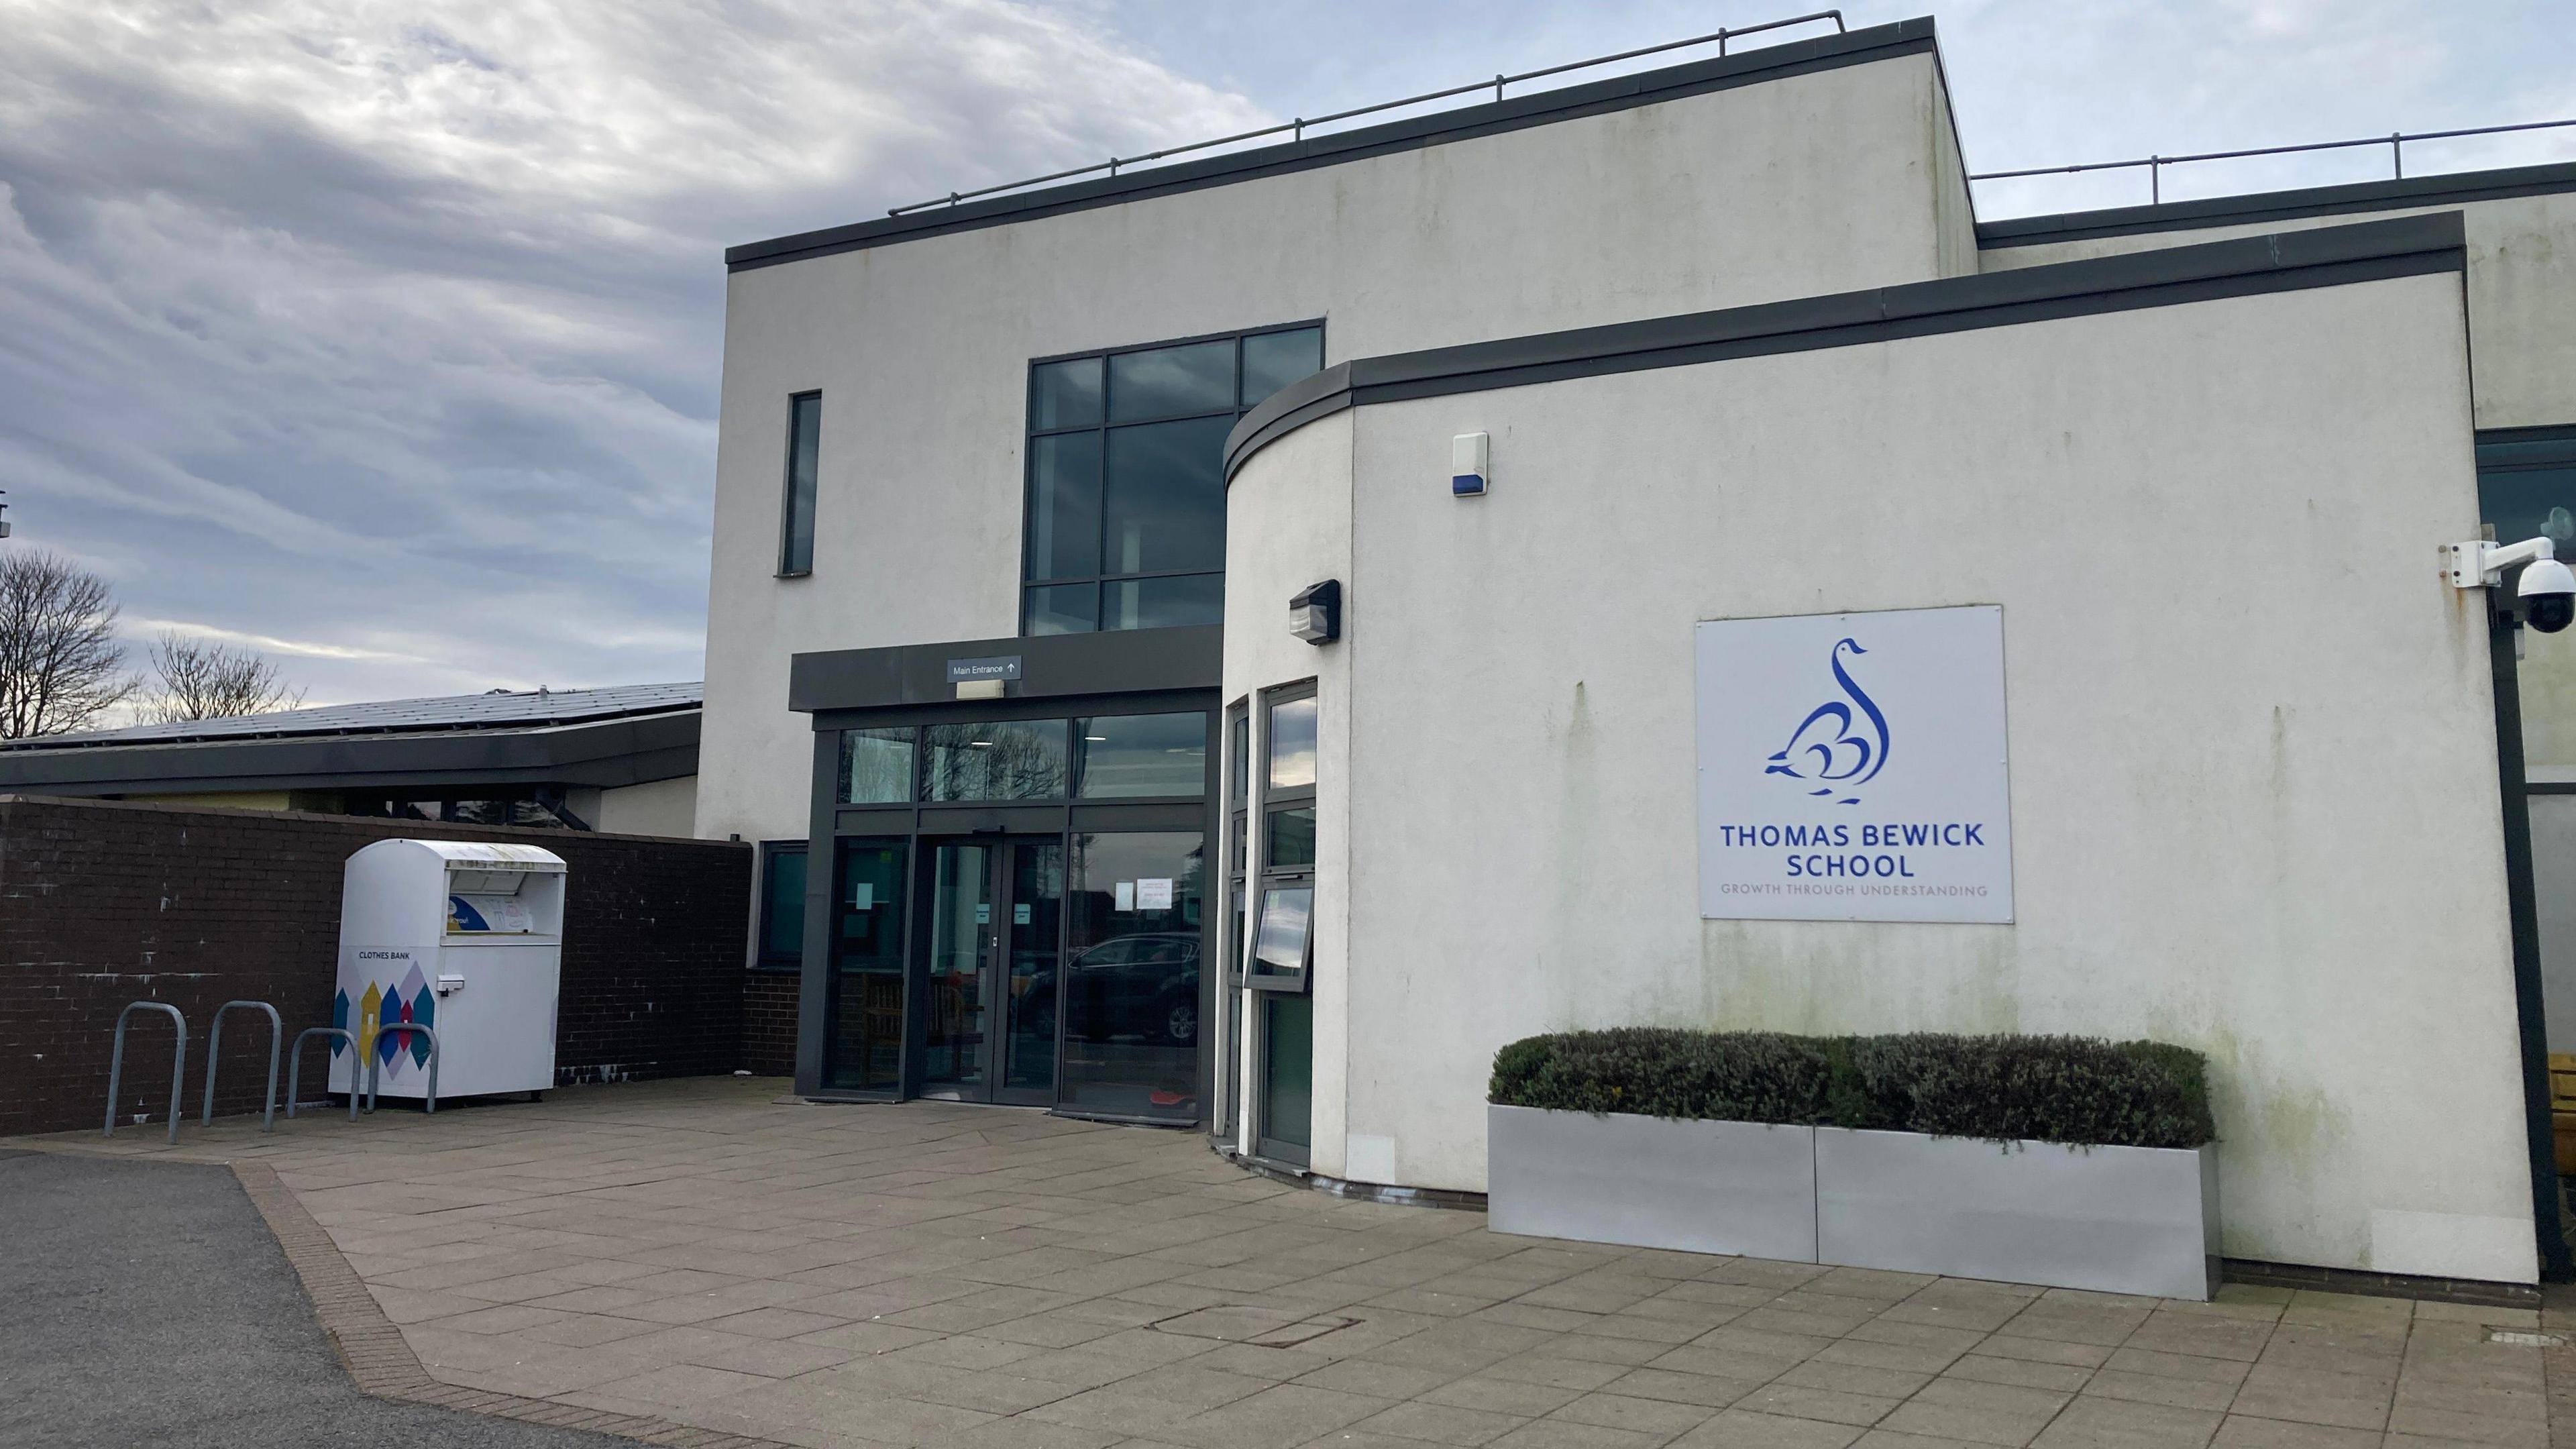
1154, 894
1126, 894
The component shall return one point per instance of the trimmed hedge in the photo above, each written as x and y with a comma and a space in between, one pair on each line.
2004, 1088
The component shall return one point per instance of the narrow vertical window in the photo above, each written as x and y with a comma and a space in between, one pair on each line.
1281, 958
804, 450
782, 904
1284, 901
1229, 1022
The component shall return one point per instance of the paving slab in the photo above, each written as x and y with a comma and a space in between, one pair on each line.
716, 1257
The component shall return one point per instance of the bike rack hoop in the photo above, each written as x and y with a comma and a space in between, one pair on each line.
295, 1066
214, 1053
376, 1063
178, 1064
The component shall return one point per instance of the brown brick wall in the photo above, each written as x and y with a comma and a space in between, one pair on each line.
769, 1022
106, 902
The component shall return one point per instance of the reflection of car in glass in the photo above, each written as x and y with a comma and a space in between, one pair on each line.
1143, 985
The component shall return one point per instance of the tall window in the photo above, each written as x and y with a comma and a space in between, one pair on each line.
2527, 484
1238, 809
1283, 917
804, 455
782, 904
1126, 477
1282, 945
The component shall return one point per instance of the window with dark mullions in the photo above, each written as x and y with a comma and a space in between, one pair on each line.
1238, 809
2527, 484
804, 458
1283, 908
782, 904
1280, 962
1126, 477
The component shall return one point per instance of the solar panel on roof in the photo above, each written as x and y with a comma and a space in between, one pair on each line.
518, 708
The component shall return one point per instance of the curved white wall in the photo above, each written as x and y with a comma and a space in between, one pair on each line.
2254, 774
1286, 528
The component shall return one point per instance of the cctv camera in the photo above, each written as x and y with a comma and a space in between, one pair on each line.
2548, 594
2547, 589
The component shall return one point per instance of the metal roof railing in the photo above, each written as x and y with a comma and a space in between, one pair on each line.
2395, 141
1296, 128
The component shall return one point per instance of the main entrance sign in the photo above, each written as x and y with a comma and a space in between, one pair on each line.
1852, 767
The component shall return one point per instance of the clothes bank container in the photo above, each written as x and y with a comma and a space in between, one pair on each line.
464, 938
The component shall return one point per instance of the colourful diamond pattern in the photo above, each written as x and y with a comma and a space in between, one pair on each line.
367, 1005
408, 1001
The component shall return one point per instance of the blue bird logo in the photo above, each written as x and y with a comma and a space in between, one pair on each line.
1833, 746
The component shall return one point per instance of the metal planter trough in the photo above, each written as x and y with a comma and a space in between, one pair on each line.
1704, 1187
2115, 1219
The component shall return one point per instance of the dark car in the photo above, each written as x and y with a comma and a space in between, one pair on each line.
1145, 985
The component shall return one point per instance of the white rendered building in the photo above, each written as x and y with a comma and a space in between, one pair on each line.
1014, 496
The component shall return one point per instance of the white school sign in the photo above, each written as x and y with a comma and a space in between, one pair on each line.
1852, 767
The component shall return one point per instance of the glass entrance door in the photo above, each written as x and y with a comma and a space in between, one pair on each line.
864, 1050
990, 988
1131, 994
961, 944
1033, 902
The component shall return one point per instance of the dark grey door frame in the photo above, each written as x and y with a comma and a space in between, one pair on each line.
1258, 875
917, 822
992, 965
917, 964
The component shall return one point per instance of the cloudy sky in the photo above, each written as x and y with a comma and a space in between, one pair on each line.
384, 339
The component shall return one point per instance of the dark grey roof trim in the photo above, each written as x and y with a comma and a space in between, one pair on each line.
1120, 661
1618, 93
2367, 251
604, 753
2451, 190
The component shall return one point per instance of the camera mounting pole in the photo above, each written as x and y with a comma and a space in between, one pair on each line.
2478, 564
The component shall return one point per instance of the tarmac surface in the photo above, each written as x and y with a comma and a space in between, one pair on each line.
146, 1303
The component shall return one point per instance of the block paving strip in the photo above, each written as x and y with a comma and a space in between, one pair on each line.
699, 1262
381, 1362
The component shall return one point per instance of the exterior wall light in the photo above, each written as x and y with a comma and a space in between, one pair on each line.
1470, 464
1315, 615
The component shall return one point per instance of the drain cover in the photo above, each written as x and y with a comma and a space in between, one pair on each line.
1260, 1327
2521, 1338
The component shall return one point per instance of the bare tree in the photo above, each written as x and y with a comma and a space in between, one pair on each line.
61, 666
204, 680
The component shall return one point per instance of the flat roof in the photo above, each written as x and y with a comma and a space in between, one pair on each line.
454, 713
628, 735
2450, 188
1617, 93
